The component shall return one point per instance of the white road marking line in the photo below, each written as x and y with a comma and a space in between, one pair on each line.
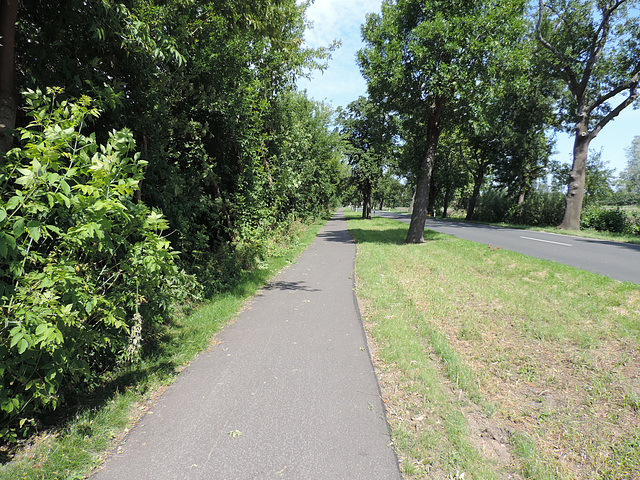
547, 241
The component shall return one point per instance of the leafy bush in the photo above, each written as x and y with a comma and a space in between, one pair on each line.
538, 209
633, 223
604, 219
492, 206
84, 272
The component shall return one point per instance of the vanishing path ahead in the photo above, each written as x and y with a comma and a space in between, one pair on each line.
289, 393
613, 259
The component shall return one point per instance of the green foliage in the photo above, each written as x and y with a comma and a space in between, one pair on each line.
538, 208
493, 206
82, 264
630, 176
205, 88
368, 144
633, 223
604, 219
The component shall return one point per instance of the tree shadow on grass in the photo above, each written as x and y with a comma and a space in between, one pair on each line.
393, 236
364, 232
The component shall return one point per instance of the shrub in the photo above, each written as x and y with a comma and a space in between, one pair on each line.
84, 272
633, 223
604, 219
538, 209
492, 206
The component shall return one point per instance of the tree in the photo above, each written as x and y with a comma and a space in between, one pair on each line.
423, 60
368, 143
598, 186
593, 48
390, 192
630, 176
599, 178
8, 95
524, 113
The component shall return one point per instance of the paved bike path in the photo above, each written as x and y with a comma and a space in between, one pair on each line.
289, 393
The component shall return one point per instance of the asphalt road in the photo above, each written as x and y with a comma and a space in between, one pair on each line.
612, 259
289, 392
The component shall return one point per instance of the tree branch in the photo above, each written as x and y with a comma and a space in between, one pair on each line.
597, 46
565, 63
632, 84
633, 96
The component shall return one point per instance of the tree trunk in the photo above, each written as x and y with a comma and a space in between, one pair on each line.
477, 184
575, 192
419, 215
8, 96
366, 203
433, 191
447, 196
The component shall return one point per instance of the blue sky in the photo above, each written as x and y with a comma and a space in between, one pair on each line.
342, 83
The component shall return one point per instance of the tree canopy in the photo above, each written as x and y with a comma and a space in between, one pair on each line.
425, 60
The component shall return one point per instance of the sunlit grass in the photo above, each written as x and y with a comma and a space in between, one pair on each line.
476, 342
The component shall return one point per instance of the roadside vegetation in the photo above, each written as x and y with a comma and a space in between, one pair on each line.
496, 365
156, 154
77, 437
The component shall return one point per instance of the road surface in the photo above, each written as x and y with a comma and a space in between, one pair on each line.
289, 392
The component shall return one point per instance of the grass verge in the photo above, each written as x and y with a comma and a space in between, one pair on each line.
497, 365
81, 438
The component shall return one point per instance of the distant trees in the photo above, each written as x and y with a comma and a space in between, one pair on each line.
430, 63
368, 141
437, 68
593, 48
630, 176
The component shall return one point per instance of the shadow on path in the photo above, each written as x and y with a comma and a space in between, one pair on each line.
289, 286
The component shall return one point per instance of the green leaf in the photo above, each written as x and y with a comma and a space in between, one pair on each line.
18, 227
3, 214
16, 336
65, 187
33, 228
13, 202
22, 346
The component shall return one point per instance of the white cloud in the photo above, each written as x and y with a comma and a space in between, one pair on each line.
340, 20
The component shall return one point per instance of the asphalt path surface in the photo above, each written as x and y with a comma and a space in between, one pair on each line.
612, 259
290, 391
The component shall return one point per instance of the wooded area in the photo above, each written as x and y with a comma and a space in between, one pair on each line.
159, 149
151, 152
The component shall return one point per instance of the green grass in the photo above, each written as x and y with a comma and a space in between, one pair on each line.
73, 448
473, 339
